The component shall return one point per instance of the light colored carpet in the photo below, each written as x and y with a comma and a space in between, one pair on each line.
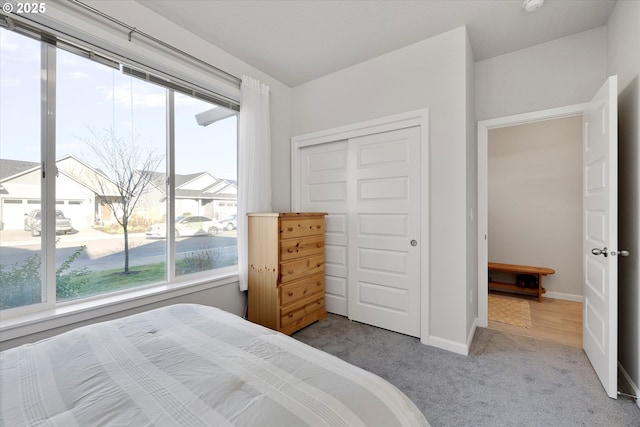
507, 380
510, 311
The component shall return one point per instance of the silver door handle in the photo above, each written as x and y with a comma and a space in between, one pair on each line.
602, 251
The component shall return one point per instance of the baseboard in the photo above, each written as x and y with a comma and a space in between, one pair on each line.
471, 334
630, 383
560, 295
449, 345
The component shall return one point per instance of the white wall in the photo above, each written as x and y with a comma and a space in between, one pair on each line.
561, 72
623, 59
535, 200
430, 74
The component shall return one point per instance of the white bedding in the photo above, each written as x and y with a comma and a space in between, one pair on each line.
190, 365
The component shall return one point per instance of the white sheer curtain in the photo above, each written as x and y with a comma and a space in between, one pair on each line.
254, 162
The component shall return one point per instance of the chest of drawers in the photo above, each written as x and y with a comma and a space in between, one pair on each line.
286, 269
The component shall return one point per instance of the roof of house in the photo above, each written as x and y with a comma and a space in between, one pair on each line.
9, 168
211, 187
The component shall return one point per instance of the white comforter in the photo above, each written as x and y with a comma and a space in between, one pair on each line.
190, 365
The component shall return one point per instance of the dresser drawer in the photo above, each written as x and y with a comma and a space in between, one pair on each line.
308, 307
301, 267
294, 291
301, 227
296, 248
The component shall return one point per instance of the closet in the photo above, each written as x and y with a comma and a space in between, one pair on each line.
370, 183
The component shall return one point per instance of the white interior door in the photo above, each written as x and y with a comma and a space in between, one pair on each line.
323, 185
600, 191
384, 230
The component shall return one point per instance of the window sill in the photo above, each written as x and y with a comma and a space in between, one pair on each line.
85, 310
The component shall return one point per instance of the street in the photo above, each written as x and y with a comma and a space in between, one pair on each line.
106, 251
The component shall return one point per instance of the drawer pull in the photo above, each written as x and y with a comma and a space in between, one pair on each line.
290, 229
290, 293
290, 250
290, 315
304, 292
290, 271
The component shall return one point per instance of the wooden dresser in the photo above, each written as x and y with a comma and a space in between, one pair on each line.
286, 269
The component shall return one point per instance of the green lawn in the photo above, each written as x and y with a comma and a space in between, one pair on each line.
21, 284
100, 282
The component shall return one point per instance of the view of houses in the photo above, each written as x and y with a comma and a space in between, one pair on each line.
81, 191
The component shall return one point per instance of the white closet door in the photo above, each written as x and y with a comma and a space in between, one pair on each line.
384, 230
324, 189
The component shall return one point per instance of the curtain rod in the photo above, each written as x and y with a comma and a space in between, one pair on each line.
134, 30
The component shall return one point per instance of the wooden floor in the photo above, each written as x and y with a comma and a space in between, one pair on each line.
554, 320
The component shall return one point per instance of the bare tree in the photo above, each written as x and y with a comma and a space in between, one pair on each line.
125, 168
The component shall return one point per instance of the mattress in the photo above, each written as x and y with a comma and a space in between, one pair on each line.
190, 365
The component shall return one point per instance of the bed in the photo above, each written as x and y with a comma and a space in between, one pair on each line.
190, 365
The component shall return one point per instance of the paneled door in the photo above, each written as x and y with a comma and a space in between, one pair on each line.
323, 184
384, 230
600, 247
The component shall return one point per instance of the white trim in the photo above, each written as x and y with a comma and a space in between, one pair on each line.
471, 334
483, 228
88, 309
449, 345
563, 296
634, 386
384, 124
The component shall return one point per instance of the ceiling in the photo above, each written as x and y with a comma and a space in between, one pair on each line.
296, 41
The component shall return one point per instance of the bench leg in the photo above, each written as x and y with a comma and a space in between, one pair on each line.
539, 287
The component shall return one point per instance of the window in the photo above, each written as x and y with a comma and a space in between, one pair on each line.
129, 154
20, 171
206, 170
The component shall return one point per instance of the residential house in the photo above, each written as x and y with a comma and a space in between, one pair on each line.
82, 189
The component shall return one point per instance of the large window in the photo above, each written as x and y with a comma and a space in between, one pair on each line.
144, 189
20, 184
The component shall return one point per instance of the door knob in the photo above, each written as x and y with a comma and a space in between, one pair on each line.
602, 251
414, 242
621, 252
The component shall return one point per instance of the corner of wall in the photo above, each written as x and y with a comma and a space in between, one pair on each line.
471, 296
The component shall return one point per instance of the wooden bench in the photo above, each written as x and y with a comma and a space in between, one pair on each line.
520, 269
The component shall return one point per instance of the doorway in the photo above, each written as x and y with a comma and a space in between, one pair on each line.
535, 217
483, 226
600, 220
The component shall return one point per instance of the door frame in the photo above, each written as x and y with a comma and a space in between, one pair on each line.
383, 124
484, 127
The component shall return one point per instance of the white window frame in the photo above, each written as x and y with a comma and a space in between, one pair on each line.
22, 321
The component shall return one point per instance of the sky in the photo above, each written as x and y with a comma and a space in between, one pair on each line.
93, 98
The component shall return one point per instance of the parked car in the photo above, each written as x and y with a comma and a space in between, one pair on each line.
230, 223
187, 226
33, 222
